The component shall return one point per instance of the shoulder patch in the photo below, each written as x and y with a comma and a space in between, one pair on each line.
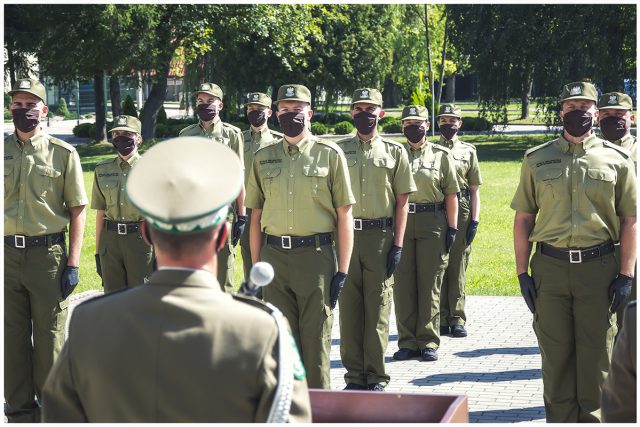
538, 147
61, 143
619, 149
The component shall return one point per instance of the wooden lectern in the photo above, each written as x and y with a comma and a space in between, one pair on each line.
334, 406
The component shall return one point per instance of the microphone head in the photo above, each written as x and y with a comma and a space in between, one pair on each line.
261, 274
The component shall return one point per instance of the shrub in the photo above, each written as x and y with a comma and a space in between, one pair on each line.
84, 130
128, 107
162, 116
343, 128
7, 115
7, 100
163, 130
393, 125
62, 108
319, 129
476, 124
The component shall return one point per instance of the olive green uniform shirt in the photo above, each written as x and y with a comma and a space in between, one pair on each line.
221, 132
379, 170
109, 179
434, 173
628, 142
253, 141
298, 187
577, 191
42, 180
466, 161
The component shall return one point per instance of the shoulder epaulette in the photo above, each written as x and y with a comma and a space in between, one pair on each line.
343, 140
105, 295
253, 301
536, 148
188, 127
330, 144
466, 144
276, 133
232, 127
61, 143
392, 142
442, 148
619, 149
264, 146
105, 162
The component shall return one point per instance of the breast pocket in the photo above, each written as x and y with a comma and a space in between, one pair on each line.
47, 177
462, 162
316, 180
548, 184
271, 181
9, 178
351, 161
599, 184
109, 188
382, 170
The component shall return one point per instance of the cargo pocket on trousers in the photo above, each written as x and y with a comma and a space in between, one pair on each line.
61, 314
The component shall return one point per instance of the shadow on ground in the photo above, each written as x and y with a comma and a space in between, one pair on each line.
507, 415
481, 377
507, 350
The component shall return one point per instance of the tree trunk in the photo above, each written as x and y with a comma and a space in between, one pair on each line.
152, 106
114, 90
426, 35
450, 89
10, 58
101, 120
444, 57
314, 96
527, 85
390, 93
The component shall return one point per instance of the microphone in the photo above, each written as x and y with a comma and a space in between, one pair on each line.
261, 275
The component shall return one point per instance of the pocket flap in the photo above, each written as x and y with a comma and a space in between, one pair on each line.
315, 170
8, 170
47, 171
548, 174
270, 172
460, 156
601, 174
384, 162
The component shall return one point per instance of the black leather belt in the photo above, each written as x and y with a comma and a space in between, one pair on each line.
366, 224
576, 256
122, 227
464, 193
291, 242
21, 242
425, 207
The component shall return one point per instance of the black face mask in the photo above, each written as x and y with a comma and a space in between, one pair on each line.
25, 119
257, 118
414, 133
613, 128
124, 144
365, 122
207, 112
292, 124
577, 122
449, 130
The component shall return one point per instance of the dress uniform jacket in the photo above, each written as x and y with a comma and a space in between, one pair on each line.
126, 259
452, 296
379, 171
231, 136
175, 350
42, 180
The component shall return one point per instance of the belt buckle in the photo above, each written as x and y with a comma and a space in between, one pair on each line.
412, 208
573, 260
21, 239
122, 228
357, 224
286, 242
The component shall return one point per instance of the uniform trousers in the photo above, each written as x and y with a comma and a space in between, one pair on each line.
575, 331
365, 305
126, 260
33, 307
452, 295
301, 290
226, 261
245, 250
417, 281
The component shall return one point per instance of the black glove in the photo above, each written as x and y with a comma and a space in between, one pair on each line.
619, 291
69, 281
393, 259
238, 228
336, 286
472, 229
98, 266
528, 290
451, 237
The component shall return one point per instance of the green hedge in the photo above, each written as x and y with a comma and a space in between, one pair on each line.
319, 129
392, 125
343, 128
473, 124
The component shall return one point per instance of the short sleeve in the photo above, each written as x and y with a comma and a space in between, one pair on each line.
524, 199
448, 179
626, 198
341, 192
473, 175
254, 197
98, 200
403, 180
74, 192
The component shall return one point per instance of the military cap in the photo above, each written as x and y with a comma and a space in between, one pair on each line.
450, 110
367, 95
294, 93
172, 184
210, 88
259, 98
32, 86
415, 112
579, 90
128, 123
615, 101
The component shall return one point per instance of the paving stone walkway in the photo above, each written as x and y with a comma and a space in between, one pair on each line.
497, 366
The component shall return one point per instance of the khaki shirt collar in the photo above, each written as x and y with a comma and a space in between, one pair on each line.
569, 147
36, 141
421, 148
627, 137
215, 130
176, 276
301, 145
377, 139
449, 143
262, 132
130, 161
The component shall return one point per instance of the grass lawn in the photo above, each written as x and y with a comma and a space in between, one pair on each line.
491, 268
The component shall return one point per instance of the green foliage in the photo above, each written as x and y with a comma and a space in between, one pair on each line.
62, 108
417, 97
393, 125
129, 107
7, 100
162, 116
84, 130
343, 128
476, 124
7, 115
319, 128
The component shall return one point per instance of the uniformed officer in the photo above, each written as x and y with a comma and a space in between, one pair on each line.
381, 182
431, 231
452, 295
123, 258
43, 193
571, 192
178, 349
619, 389
259, 134
299, 194
208, 106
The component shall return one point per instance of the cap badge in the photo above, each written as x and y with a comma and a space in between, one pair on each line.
256, 97
447, 109
122, 121
290, 91
25, 84
412, 111
576, 90
613, 99
205, 87
365, 93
